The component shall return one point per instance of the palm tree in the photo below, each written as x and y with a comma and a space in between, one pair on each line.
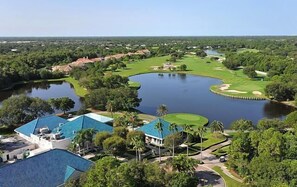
216, 126
201, 130
84, 137
162, 110
188, 128
109, 107
159, 127
173, 128
138, 146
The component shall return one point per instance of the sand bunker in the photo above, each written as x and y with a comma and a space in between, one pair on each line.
225, 87
235, 91
257, 93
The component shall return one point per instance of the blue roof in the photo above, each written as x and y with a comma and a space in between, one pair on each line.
48, 169
70, 128
150, 129
48, 121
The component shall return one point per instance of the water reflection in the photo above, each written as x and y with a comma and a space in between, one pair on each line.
190, 94
44, 90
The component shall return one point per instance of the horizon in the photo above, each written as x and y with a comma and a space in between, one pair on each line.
132, 18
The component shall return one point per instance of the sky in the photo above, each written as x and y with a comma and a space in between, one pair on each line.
147, 17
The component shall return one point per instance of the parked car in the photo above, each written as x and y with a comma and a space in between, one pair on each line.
222, 159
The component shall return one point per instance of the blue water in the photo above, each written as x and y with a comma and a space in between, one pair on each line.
190, 94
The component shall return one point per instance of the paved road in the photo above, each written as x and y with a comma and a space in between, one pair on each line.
208, 177
211, 161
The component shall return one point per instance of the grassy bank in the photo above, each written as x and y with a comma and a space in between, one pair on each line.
229, 181
240, 84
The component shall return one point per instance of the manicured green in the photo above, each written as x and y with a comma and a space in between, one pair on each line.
142, 66
198, 66
183, 118
229, 181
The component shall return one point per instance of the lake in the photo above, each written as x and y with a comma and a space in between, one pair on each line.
190, 94
44, 90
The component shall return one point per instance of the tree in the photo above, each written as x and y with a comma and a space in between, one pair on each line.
216, 126
120, 131
291, 119
250, 72
114, 145
173, 140
265, 124
159, 126
133, 134
188, 129
279, 91
201, 130
201, 53
21, 109
183, 67
83, 138
242, 125
162, 110
109, 107
184, 164
63, 103
100, 137
182, 180
99, 175
173, 128
138, 145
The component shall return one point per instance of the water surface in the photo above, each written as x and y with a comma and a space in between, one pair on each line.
190, 94
44, 90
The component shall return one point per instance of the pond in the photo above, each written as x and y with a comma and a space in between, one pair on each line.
44, 90
190, 94
213, 52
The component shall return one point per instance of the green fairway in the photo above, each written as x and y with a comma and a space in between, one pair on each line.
240, 84
189, 119
229, 181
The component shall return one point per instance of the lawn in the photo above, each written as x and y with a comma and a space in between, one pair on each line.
183, 118
198, 66
229, 181
79, 90
209, 139
221, 151
247, 50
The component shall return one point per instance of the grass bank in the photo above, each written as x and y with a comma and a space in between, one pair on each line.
239, 84
229, 181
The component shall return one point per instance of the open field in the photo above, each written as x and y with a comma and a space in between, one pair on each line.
229, 181
239, 84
